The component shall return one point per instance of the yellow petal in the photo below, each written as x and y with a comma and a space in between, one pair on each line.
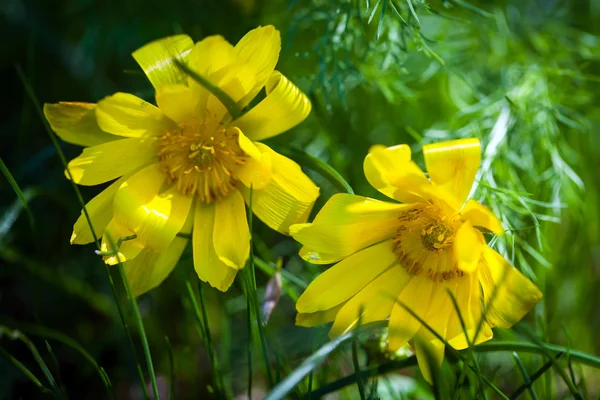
209, 56
231, 235
148, 270
346, 278
179, 102
318, 318
214, 106
440, 307
99, 210
346, 224
111, 160
416, 296
453, 165
155, 217
76, 123
258, 52
157, 59
313, 257
287, 198
429, 351
468, 298
373, 303
257, 171
284, 107
391, 171
124, 114
207, 264
479, 215
125, 250
214, 59
515, 294
468, 246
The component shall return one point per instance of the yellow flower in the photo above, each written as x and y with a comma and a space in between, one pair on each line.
187, 165
413, 254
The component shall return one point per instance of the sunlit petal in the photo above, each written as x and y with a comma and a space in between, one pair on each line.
127, 115
231, 235
355, 272
453, 165
507, 293
76, 123
481, 216
284, 107
346, 224
207, 264
111, 160
373, 303
287, 198
157, 59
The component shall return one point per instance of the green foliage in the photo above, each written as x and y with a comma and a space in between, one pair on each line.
522, 76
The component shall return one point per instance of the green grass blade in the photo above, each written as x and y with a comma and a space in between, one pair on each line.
22, 198
540, 348
315, 164
348, 380
141, 330
234, 110
48, 333
413, 11
285, 275
209, 344
55, 363
250, 335
281, 390
14, 334
552, 358
470, 357
61, 155
172, 375
203, 328
253, 302
452, 350
528, 385
19, 365
72, 286
359, 381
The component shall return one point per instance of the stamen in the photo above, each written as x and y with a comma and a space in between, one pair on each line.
201, 159
423, 242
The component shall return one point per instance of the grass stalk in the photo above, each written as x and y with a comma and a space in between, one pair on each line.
141, 329
61, 155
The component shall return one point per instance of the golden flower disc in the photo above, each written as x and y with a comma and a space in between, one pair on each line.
424, 238
201, 157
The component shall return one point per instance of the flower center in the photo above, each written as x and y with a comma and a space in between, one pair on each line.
423, 243
201, 158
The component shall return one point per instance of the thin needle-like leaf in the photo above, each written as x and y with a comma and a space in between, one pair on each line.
325, 170
63, 160
254, 304
15, 186
528, 381
315, 360
359, 381
172, 374
209, 344
19, 365
17, 335
138, 318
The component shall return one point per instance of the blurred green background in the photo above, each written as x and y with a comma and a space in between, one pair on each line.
521, 75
